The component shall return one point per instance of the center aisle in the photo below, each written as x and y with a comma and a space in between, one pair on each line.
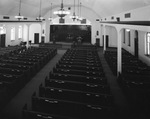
13, 109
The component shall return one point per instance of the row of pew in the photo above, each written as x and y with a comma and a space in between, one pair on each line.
6, 51
134, 80
77, 88
18, 68
84, 47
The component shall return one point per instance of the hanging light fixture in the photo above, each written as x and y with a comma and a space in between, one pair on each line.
50, 18
74, 16
19, 17
40, 18
61, 13
80, 18
78, 10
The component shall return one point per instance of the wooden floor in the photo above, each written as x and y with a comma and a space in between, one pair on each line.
13, 109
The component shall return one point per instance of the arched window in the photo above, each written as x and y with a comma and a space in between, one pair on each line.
147, 44
124, 33
129, 34
12, 37
129, 40
20, 32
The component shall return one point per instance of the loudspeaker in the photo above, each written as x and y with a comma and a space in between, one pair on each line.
83, 21
118, 19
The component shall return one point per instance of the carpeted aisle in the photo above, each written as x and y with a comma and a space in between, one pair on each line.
119, 98
13, 109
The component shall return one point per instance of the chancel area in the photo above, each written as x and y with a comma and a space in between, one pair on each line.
74, 59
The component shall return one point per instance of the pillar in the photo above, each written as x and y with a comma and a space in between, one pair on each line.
119, 53
47, 32
28, 33
104, 41
41, 31
101, 35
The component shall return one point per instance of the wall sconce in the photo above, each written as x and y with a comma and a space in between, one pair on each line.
127, 30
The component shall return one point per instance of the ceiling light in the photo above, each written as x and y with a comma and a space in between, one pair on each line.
74, 16
40, 18
19, 17
128, 30
80, 18
61, 13
50, 18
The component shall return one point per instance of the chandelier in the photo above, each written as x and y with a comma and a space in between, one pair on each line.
40, 18
19, 17
61, 13
50, 18
74, 16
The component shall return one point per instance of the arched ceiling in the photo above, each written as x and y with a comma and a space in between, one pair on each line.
103, 8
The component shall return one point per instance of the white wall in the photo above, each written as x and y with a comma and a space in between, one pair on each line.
142, 56
25, 32
112, 33
8, 34
140, 14
126, 44
34, 28
141, 39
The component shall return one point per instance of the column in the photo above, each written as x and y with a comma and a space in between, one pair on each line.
41, 32
8, 34
119, 53
47, 32
104, 44
101, 35
28, 32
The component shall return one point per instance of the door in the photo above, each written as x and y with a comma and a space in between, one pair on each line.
2, 40
107, 41
97, 42
136, 45
42, 39
36, 38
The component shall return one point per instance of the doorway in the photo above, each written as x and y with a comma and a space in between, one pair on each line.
97, 41
136, 45
36, 38
2, 40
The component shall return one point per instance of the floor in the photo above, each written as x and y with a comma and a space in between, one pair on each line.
13, 109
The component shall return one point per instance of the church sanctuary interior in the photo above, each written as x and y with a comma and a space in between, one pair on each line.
74, 59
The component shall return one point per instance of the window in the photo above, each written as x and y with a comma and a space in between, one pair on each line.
127, 15
128, 34
2, 30
12, 37
20, 32
124, 33
129, 43
147, 48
